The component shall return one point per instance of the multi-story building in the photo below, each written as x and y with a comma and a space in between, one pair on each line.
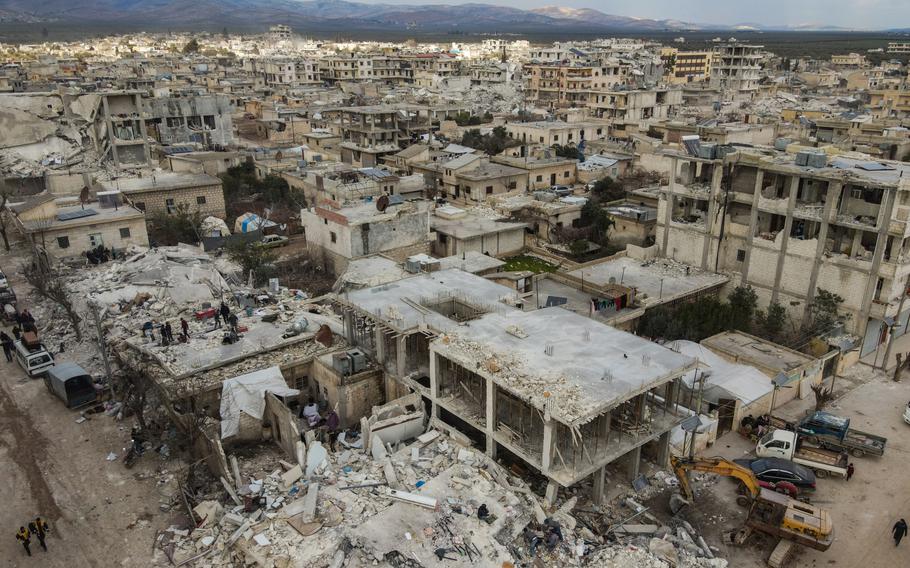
638, 105
849, 60
736, 71
890, 102
789, 225
686, 66
899, 47
558, 85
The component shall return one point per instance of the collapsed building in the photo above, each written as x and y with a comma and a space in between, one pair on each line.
511, 383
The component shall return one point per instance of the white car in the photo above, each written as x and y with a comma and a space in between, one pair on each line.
907, 413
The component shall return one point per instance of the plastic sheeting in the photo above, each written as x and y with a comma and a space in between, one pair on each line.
246, 394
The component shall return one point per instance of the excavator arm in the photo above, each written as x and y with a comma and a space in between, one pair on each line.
720, 466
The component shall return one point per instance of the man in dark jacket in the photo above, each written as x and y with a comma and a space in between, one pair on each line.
899, 531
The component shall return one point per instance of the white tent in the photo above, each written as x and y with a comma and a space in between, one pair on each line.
246, 394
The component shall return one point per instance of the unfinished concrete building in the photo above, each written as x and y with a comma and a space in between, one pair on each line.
555, 391
204, 120
789, 225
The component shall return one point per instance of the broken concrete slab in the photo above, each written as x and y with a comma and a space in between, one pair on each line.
636, 529
309, 502
413, 498
302, 527
290, 477
316, 456
209, 512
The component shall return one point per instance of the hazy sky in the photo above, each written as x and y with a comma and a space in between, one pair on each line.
876, 14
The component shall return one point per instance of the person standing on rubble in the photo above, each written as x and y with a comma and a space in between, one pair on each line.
899, 531
225, 311
39, 528
17, 332
7, 343
169, 331
185, 329
25, 538
850, 470
217, 319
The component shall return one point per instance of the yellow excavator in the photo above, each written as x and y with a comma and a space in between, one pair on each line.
770, 512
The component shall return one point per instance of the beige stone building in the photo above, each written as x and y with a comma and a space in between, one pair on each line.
69, 229
169, 191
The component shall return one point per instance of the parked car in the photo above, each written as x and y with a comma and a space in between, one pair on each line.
561, 190
272, 241
34, 361
778, 469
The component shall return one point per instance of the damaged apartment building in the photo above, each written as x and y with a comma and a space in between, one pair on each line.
76, 133
791, 224
548, 390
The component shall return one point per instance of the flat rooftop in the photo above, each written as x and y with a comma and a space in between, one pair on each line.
470, 226
471, 261
371, 271
572, 366
661, 280
160, 181
751, 349
394, 303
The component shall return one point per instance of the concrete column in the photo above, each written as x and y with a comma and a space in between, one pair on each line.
663, 449
599, 485
378, 337
402, 356
788, 225
552, 493
668, 214
753, 224
717, 175
349, 326
634, 462
434, 383
491, 417
857, 242
884, 220
834, 189
546, 455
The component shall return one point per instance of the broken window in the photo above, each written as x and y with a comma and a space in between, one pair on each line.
95, 240
194, 122
174, 121
200, 200
140, 205
740, 255
333, 236
63, 242
125, 232
170, 206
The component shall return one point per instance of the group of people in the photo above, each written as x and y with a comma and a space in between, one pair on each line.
166, 331
550, 534
25, 322
327, 427
37, 528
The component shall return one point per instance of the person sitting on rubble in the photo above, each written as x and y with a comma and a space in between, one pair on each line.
483, 513
553, 528
747, 423
533, 537
311, 413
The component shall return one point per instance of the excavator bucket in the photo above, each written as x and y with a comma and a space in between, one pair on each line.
678, 503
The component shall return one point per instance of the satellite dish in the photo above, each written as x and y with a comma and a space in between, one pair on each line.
382, 203
324, 335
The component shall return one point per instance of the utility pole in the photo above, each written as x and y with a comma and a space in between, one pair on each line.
102, 347
900, 309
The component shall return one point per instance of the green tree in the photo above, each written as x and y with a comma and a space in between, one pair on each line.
608, 189
578, 247
181, 226
191, 46
255, 259
224, 33
770, 324
596, 217
823, 311
743, 301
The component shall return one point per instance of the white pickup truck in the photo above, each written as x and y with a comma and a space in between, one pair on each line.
782, 444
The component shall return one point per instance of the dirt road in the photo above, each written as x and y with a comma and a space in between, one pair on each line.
863, 509
100, 513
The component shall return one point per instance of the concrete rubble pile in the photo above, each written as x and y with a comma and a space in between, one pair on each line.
354, 508
416, 505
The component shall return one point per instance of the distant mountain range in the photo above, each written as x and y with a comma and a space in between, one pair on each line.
338, 16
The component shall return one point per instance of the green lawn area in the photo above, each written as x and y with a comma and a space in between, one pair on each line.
532, 263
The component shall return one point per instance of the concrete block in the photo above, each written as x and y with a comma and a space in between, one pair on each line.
291, 476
